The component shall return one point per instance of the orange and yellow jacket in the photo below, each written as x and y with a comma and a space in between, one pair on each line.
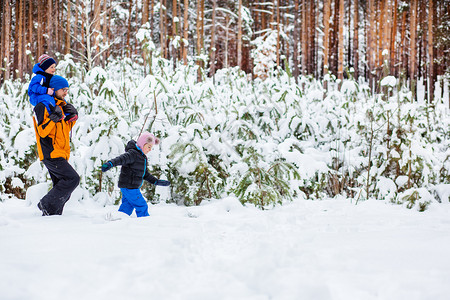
53, 139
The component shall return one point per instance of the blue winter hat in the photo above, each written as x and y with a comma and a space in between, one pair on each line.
45, 61
58, 82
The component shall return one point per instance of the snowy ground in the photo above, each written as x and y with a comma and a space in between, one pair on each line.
316, 250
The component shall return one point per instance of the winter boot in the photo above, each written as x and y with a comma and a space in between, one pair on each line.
41, 208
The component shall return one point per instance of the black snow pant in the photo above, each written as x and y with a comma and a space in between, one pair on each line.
65, 179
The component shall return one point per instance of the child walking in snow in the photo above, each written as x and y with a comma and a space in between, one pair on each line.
39, 85
133, 172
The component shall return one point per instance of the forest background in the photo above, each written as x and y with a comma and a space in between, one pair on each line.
312, 37
384, 63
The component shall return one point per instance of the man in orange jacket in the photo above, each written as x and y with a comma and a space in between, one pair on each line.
53, 121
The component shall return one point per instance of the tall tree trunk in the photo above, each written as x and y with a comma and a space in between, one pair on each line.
239, 37
371, 42
402, 50
186, 30
68, 21
7, 34
272, 15
174, 32
199, 39
152, 5
161, 29
76, 25
50, 28
19, 38
349, 34
180, 31
14, 39
295, 52
387, 32
278, 33
310, 17
2, 36
105, 27
286, 42
212, 54
413, 28
84, 34
24, 36
326, 36
393, 43
255, 16
105, 34
109, 31
263, 17
166, 31
144, 12
381, 35
430, 59
96, 23
313, 49
202, 27
356, 39
335, 39
58, 43
304, 39
421, 20
30, 36
2, 25
341, 41
130, 8
227, 30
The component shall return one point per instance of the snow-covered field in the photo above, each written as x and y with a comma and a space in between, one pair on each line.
330, 249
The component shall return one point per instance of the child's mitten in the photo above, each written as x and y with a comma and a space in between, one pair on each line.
106, 166
162, 182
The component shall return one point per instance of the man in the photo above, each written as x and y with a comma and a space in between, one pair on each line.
53, 121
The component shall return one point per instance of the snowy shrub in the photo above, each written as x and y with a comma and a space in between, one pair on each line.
264, 54
418, 198
193, 173
263, 184
17, 141
264, 141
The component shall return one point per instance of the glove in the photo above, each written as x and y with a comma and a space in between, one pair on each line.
56, 114
71, 118
70, 112
50, 91
106, 166
69, 109
162, 182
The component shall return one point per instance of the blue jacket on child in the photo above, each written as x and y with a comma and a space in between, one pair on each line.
37, 90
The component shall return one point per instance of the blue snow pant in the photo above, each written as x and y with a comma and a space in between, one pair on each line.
133, 199
65, 179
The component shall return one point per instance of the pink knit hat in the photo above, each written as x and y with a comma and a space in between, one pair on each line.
147, 138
